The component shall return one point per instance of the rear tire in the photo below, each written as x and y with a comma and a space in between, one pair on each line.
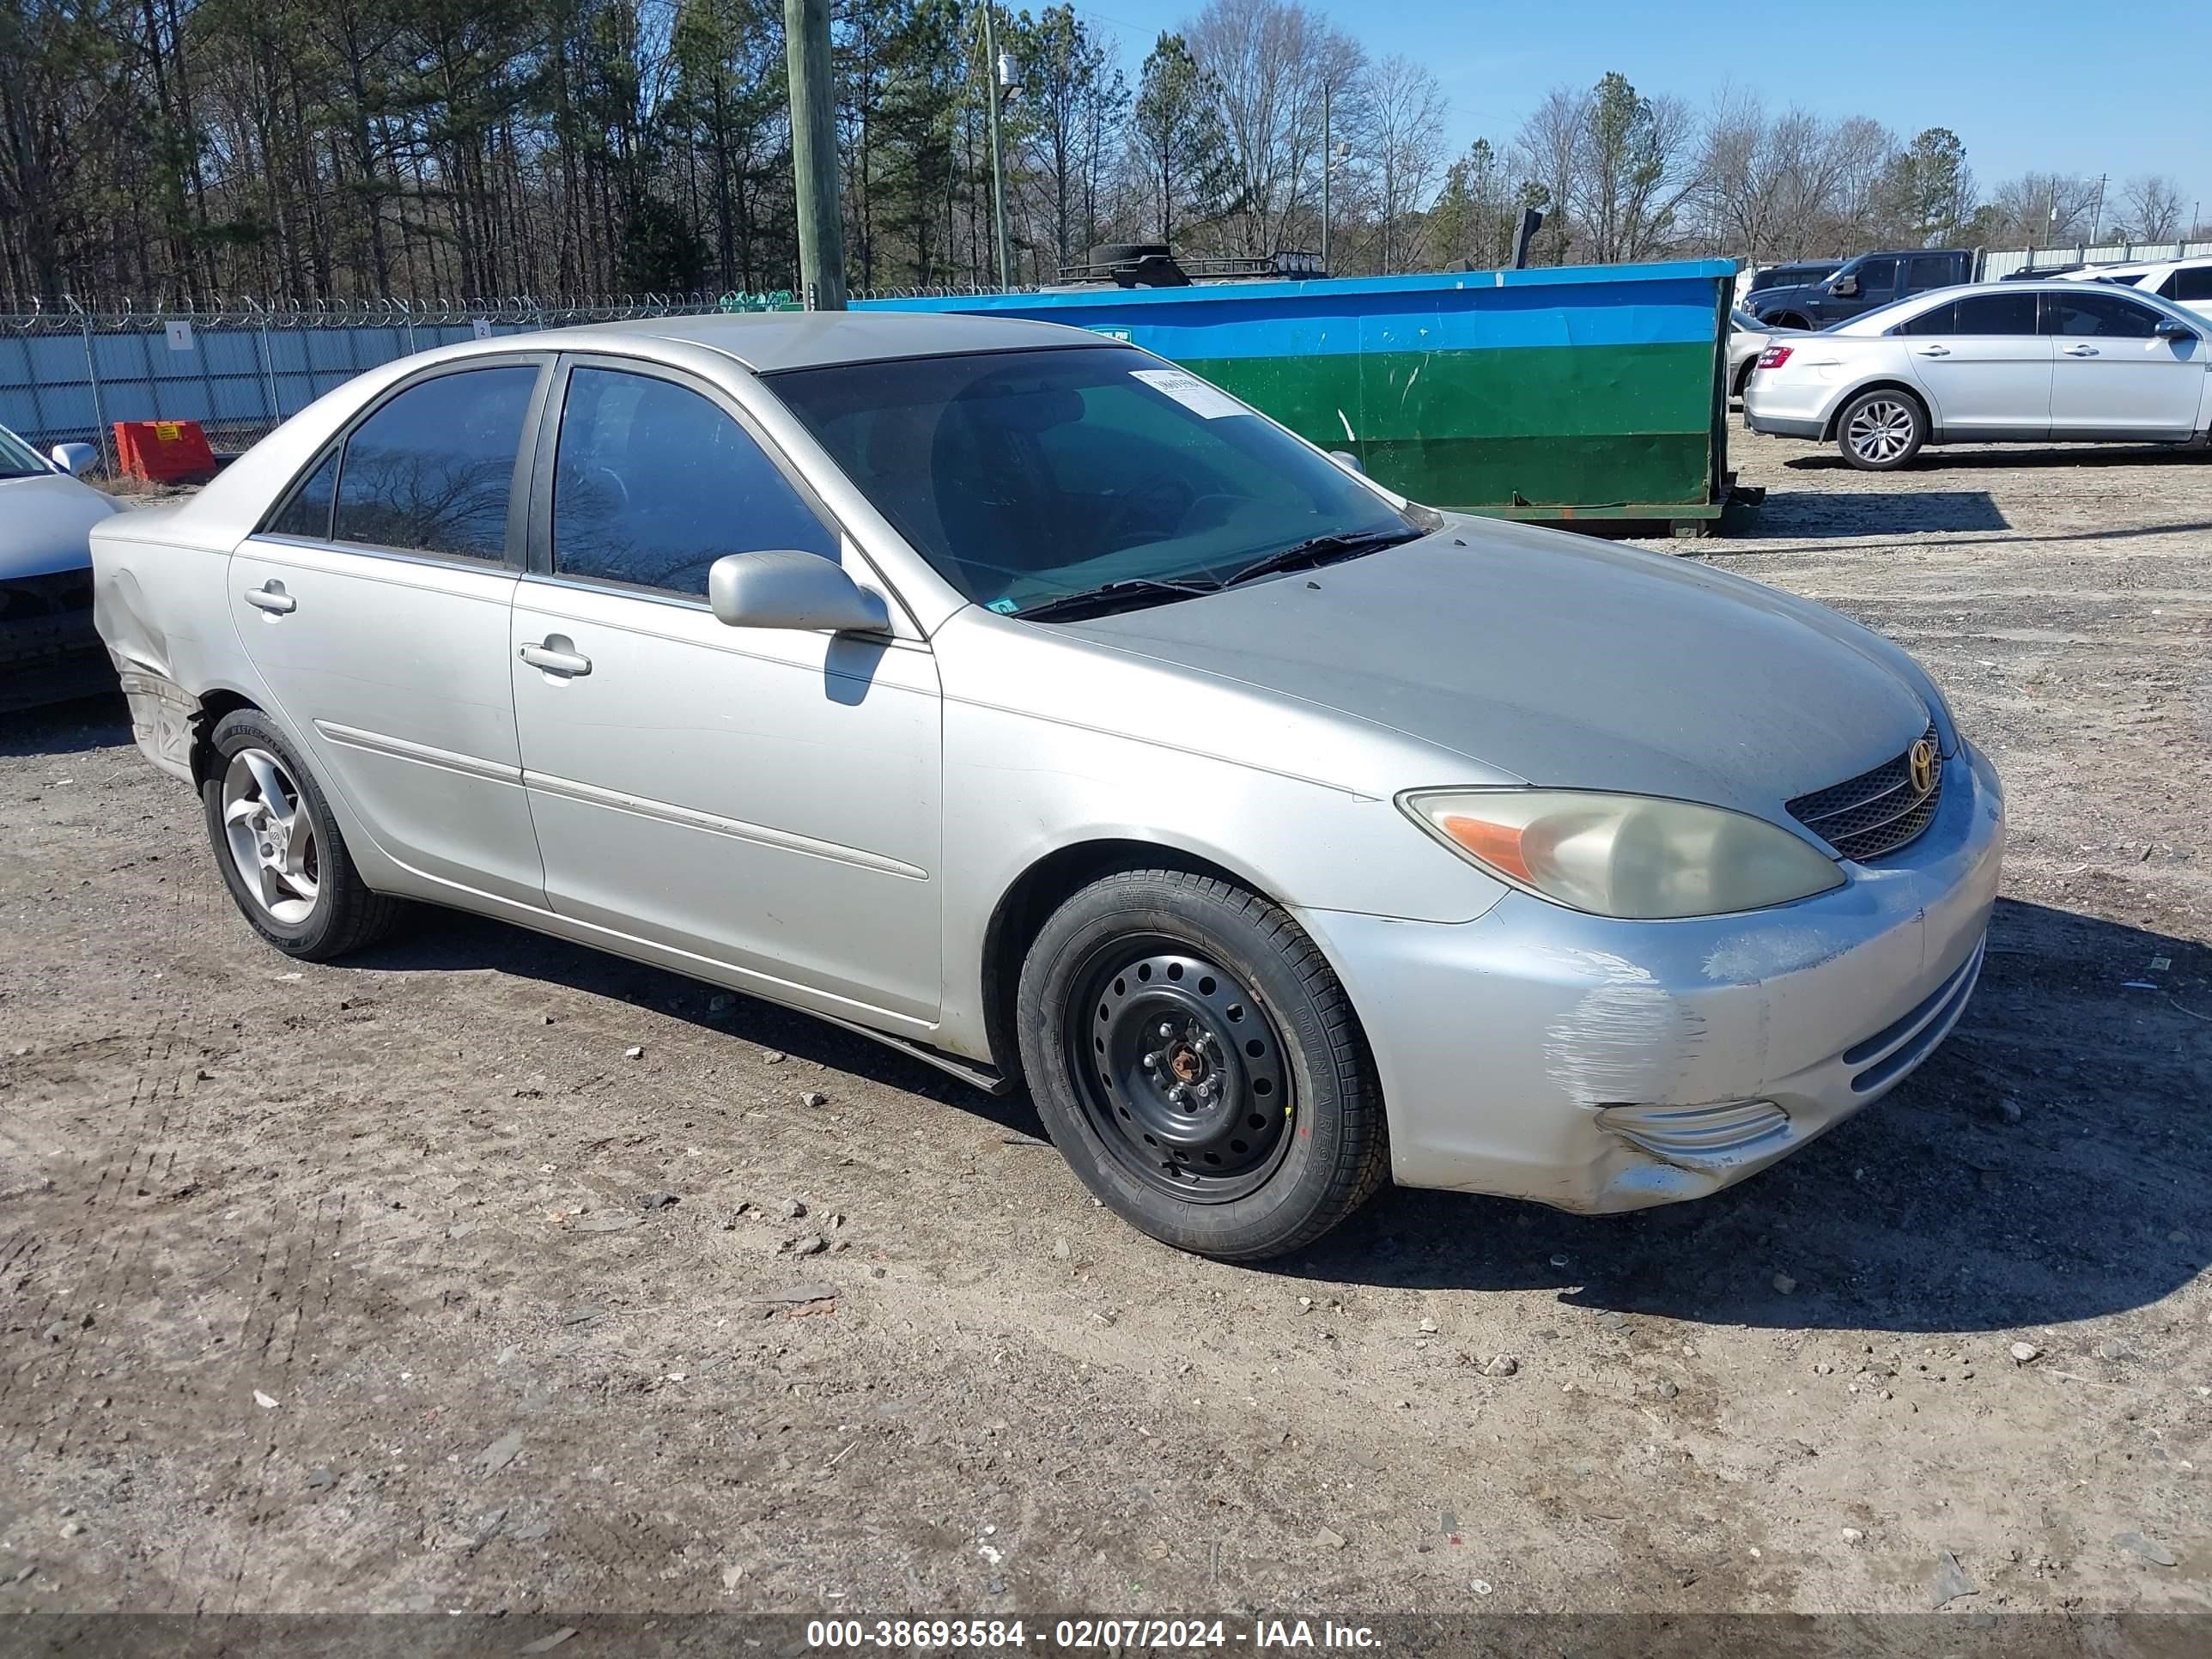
1198, 1065
278, 846
1881, 429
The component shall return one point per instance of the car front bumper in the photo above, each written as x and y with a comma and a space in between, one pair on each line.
1598, 1064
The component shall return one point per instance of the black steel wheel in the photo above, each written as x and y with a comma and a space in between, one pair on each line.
1198, 1065
1180, 1068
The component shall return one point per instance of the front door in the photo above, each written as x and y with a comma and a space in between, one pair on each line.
2113, 376
375, 604
1986, 369
761, 798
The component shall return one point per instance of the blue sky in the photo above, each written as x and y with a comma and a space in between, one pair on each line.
2048, 85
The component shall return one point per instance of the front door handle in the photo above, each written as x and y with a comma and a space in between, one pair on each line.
271, 597
2079, 351
554, 658
1935, 351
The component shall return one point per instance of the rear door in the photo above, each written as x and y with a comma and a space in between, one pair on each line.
374, 603
1985, 367
2111, 375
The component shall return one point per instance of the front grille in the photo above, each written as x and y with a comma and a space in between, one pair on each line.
1876, 812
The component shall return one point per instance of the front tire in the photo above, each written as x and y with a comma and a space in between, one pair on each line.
1198, 1065
278, 846
1881, 430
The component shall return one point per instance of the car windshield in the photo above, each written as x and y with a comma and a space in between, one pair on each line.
1025, 477
18, 459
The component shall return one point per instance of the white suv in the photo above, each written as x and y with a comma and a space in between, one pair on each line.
2187, 282
1991, 362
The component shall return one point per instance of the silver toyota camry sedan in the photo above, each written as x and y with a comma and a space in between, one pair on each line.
1013, 696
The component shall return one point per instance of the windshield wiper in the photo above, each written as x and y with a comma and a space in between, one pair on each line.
1319, 550
1129, 594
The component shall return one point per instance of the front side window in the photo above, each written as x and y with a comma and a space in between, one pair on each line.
2090, 313
1025, 477
1995, 313
430, 471
653, 484
1877, 279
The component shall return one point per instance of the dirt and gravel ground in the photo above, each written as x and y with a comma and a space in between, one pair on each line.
334, 1288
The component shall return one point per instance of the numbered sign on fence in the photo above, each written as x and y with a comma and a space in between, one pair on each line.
480, 327
180, 336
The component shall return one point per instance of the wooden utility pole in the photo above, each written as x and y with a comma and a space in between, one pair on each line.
814, 153
1001, 246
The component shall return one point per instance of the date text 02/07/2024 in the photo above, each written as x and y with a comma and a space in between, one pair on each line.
1171, 1635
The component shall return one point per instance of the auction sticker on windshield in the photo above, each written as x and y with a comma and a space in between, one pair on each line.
1190, 392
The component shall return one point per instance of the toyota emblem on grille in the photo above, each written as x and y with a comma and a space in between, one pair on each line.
1920, 760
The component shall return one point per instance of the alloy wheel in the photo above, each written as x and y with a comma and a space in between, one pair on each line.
1180, 1071
1881, 430
271, 836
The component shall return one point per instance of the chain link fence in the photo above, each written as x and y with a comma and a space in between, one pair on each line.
68, 374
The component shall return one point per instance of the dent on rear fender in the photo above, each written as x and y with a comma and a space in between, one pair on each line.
160, 710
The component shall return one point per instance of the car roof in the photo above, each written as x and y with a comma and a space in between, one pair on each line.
766, 342
1898, 311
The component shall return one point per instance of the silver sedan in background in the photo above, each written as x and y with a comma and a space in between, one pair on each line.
1990, 362
1017, 698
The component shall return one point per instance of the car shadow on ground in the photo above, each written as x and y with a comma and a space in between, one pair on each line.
431, 940
2047, 1165
1875, 512
1994, 456
82, 724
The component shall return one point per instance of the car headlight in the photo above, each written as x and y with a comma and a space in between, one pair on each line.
1636, 857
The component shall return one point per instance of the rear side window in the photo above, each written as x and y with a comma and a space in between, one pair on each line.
653, 484
2104, 315
1929, 271
429, 472
1944, 319
1995, 313
2191, 284
308, 513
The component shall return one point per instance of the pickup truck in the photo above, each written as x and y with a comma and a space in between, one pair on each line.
1870, 280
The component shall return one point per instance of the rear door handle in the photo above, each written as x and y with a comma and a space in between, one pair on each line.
2079, 351
557, 659
271, 597
1935, 351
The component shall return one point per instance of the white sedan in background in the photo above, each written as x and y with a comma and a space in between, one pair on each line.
48, 649
1991, 362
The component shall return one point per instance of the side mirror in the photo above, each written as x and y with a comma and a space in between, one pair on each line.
76, 459
1347, 460
801, 591
1844, 288
2168, 329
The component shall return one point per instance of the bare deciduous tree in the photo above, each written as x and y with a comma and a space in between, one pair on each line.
1271, 60
1400, 141
2152, 208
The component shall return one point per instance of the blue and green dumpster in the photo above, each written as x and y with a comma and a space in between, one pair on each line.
1580, 392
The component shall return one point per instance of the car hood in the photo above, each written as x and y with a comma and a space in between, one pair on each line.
44, 523
1561, 661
